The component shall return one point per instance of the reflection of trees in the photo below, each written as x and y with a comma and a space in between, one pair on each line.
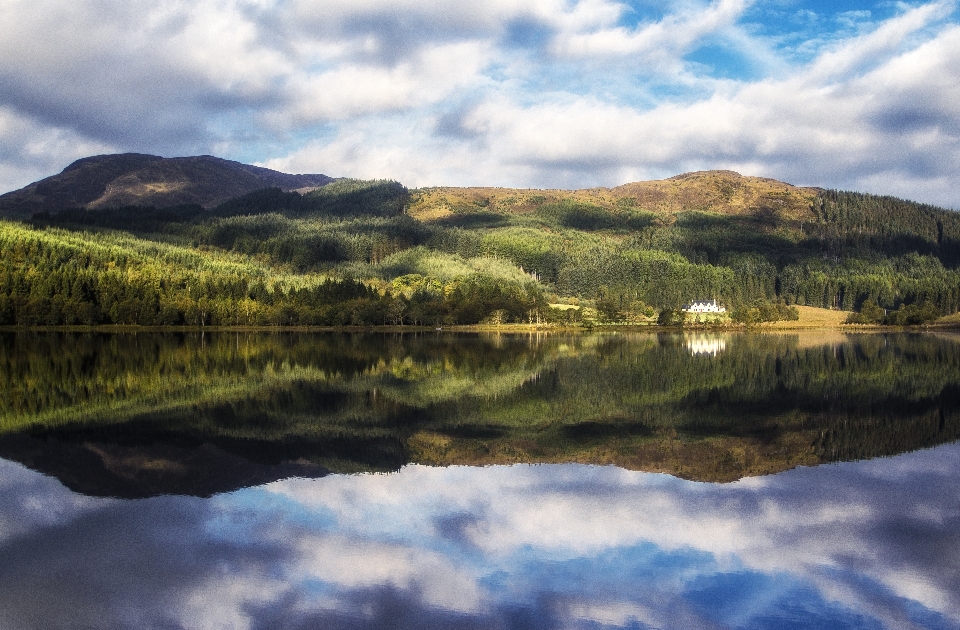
60, 378
375, 401
767, 403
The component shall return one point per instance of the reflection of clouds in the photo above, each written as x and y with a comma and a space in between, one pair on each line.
847, 545
614, 614
129, 564
349, 564
30, 500
222, 600
836, 527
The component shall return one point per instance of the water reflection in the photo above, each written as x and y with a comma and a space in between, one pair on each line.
705, 343
854, 545
138, 415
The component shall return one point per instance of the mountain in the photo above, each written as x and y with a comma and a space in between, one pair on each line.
721, 192
128, 179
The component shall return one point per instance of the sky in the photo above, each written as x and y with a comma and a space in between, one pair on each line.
857, 95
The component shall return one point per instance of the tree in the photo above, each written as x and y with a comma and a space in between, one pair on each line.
670, 317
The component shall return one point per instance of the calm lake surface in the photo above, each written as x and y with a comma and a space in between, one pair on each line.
796, 480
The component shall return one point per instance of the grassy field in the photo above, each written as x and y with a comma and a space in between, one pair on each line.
811, 317
948, 320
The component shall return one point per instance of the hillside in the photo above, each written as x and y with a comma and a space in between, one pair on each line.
722, 192
133, 179
631, 254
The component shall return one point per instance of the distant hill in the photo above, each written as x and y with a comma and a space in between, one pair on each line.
721, 192
129, 179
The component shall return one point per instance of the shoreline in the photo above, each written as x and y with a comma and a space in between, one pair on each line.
766, 327
811, 319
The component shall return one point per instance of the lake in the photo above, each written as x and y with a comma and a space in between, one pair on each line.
437, 480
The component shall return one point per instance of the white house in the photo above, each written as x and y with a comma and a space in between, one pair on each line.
704, 306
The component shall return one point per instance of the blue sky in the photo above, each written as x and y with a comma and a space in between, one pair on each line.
532, 93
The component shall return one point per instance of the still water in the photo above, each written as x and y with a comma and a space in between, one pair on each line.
479, 481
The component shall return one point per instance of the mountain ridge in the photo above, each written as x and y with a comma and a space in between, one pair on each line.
137, 179
127, 179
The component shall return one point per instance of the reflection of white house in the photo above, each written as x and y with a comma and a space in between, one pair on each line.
704, 306
699, 345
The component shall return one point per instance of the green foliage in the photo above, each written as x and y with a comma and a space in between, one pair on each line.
912, 315
444, 267
583, 216
608, 306
340, 198
869, 313
670, 317
888, 282
889, 225
533, 250
315, 243
715, 238
55, 277
135, 218
760, 311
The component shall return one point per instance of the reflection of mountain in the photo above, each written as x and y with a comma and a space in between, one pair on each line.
130, 471
146, 406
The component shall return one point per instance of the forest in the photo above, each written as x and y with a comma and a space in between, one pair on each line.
366, 253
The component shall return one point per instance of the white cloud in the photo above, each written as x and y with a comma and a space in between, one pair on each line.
349, 91
869, 49
545, 93
667, 39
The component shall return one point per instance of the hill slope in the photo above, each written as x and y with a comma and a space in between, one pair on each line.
147, 180
722, 192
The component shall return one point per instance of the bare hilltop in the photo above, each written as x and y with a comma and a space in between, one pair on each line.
135, 179
722, 192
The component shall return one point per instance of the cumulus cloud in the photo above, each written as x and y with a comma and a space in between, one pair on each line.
542, 93
149, 77
352, 90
